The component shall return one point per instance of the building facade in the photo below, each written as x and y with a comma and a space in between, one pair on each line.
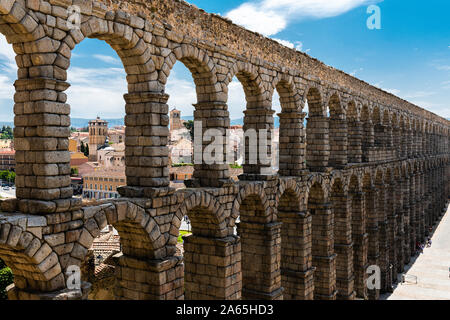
103, 184
8, 160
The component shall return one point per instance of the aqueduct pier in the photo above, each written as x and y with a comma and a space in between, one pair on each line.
358, 187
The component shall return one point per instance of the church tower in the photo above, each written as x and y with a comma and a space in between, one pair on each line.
98, 131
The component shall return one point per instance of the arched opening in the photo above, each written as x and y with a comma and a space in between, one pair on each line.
387, 126
211, 116
261, 249
35, 266
238, 147
379, 134
129, 267
368, 139
182, 96
354, 134
396, 137
297, 277
317, 135
98, 83
290, 135
338, 132
343, 244
324, 258
258, 124
98, 267
8, 74
211, 256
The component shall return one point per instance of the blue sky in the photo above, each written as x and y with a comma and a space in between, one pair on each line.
409, 56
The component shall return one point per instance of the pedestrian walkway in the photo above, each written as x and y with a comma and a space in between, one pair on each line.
432, 269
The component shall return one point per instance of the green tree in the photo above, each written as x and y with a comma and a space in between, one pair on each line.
6, 278
82, 147
74, 172
6, 133
190, 126
8, 176
86, 151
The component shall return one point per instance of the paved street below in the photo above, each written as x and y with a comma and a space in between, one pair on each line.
431, 269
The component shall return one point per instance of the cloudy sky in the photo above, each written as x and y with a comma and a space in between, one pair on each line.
409, 56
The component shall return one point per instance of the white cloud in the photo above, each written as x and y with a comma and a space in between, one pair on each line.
298, 45
107, 59
269, 17
379, 85
354, 72
285, 43
419, 94
259, 20
439, 109
97, 92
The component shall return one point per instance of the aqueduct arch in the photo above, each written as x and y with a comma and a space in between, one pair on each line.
313, 228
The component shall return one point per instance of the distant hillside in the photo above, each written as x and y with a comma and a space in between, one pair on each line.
237, 122
82, 123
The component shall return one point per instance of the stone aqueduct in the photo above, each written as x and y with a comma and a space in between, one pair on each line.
376, 174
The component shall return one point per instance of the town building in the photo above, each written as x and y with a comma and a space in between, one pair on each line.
98, 132
175, 121
7, 159
103, 183
181, 151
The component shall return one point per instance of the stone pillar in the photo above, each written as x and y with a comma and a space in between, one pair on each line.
422, 210
397, 143
373, 231
360, 244
42, 128
261, 261
324, 258
146, 141
410, 143
412, 215
380, 136
420, 143
297, 273
392, 230
343, 246
404, 144
368, 140
291, 144
415, 143
317, 148
138, 279
212, 268
355, 134
408, 249
389, 136
400, 234
212, 115
338, 141
383, 236
259, 119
